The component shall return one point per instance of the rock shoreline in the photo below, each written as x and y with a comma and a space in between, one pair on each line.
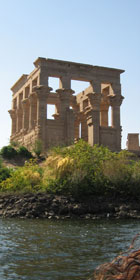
41, 205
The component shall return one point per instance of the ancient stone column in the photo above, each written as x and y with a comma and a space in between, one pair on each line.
19, 117
13, 117
64, 82
64, 96
66, 114
32, 110
42, 93
84, 129
93, 118
25, 120
76, 129
115, 102
104, 115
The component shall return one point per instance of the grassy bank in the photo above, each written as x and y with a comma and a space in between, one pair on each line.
79, 170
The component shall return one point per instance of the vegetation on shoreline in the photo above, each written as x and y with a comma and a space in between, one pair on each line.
79, 170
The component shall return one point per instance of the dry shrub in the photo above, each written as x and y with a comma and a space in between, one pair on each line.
57, 166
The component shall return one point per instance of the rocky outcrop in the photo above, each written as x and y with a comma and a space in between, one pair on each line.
42, 205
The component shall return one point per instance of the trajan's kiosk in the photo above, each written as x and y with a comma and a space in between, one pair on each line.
89, 108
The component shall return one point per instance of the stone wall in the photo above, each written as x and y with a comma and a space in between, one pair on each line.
133, 142
42, 205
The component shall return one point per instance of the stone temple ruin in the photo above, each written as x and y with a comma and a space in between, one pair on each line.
133, 143
88, 109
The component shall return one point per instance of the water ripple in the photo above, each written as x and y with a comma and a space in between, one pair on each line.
60, 250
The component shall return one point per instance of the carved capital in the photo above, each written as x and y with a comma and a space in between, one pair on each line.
41, 91
56, 116
12, 113
25, 103
94, 99
32, 98
65, 93
92, 117
116, 100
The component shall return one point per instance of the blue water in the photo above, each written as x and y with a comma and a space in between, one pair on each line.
58, 250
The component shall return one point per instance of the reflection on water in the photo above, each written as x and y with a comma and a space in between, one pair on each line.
58, 250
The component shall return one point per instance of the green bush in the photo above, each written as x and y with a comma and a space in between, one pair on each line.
26, 178
82, 170
4, 173
78, 170
15, 144
8, 152
23, 151
118, 175
1, 162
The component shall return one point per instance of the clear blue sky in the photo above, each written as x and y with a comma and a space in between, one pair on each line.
97, 32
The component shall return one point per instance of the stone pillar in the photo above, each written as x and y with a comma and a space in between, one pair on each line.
64, 82
115, 102
64, 96
115, 89
76, 129
13, 117
66, 114
84, 129
19, 117
32, 110
104, 115
25, 120
41, 92
93, 118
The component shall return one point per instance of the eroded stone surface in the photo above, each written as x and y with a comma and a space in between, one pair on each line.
133, 142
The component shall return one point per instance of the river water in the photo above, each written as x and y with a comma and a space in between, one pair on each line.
60, 250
